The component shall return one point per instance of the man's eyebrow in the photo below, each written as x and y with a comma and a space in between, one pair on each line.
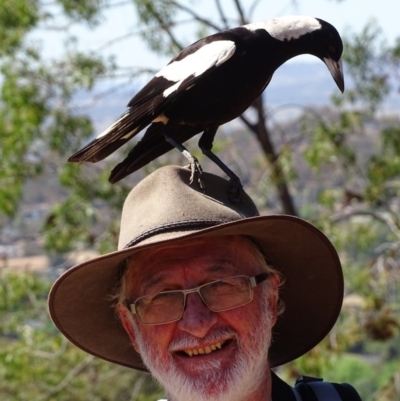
154, 280
223, 266
157, 278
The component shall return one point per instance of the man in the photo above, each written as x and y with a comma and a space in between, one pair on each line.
204, 293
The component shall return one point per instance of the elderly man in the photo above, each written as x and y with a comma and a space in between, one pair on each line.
205, 294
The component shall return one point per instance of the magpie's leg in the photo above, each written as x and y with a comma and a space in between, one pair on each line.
195, 166
205, 144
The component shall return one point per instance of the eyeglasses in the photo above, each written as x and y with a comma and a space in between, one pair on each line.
221, 295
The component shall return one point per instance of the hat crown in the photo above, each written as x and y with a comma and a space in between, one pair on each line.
164, 202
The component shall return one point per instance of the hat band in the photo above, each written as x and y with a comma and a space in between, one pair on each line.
175, 226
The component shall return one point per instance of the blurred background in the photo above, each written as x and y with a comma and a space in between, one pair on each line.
69, 67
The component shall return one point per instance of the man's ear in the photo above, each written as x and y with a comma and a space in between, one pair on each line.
127, 321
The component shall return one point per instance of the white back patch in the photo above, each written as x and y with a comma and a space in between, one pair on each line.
288, 27
210, 55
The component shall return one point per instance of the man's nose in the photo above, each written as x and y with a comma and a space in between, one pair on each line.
197, 318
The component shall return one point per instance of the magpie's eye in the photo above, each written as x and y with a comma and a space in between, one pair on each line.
331, 49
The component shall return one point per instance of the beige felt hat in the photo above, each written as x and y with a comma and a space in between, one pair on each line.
164, 208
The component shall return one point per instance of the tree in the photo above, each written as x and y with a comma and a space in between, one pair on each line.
38, 363
337, 166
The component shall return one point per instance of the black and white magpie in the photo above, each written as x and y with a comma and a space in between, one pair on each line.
209, 83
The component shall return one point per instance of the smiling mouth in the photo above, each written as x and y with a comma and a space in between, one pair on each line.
208, 349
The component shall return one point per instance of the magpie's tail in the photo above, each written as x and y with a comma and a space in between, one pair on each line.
125, 128
151, 146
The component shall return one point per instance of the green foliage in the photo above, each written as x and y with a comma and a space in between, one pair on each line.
17, 18
329, 145
366, 56
350, 190
37, 119
88, 11
158, 17
37, 362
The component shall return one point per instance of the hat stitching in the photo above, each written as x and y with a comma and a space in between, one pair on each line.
168, 226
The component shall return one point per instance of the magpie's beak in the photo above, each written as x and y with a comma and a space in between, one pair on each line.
336, 69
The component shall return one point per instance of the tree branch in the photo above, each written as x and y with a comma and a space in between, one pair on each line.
383, 218
166, 28
196, 16
277, 176
221, 13
251, 126
71, 374
240, 12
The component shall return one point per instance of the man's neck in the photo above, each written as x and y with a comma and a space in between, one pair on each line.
263, 392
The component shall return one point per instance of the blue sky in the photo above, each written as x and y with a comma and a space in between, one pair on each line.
344, 15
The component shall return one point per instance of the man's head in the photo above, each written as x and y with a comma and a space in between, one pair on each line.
204, 355
165, 223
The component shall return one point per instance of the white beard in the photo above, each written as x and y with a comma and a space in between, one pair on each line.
235, 383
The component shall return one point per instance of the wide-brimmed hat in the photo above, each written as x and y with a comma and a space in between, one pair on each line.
165, 208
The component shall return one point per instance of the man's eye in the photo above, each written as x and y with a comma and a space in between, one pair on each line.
222, 287
164, 298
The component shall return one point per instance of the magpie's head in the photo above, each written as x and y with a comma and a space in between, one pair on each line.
300, 34
327, 45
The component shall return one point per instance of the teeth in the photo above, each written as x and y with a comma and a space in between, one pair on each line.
206, 350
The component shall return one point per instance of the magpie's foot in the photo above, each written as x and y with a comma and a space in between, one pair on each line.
235, 192
196, 170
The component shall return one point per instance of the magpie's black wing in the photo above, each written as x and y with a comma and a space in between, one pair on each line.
186, 70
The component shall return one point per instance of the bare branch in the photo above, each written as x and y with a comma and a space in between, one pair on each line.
277, 176
249, 125
196, 16
137, 387
382, 217
71, 374
240, 12
221, 13
118, 39
167, 29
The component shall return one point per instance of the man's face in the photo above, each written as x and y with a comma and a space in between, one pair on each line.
231, 346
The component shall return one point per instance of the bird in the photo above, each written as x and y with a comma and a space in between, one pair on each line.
210, 83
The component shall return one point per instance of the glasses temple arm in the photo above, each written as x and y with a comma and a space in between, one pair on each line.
259, 278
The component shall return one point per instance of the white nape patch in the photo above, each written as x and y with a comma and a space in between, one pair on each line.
104, 133
210, 55
288, 27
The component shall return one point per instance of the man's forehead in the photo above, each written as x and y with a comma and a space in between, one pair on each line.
211, 245
212, 254
223, 268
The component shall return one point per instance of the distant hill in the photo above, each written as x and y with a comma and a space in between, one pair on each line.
300, 83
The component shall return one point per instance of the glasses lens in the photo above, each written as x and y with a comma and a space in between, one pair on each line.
227, 293
160, 308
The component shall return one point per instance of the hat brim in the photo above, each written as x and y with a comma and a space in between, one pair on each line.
81, 307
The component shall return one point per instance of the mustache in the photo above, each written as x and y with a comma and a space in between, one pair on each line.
185, 341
